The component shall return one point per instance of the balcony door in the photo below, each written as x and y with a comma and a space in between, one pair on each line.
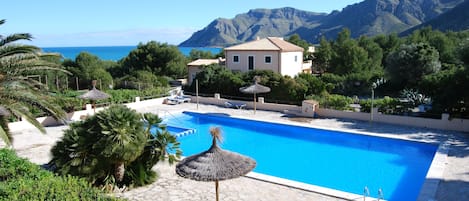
250, 62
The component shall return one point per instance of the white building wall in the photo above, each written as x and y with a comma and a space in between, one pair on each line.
193, 70
259, 60
288, 64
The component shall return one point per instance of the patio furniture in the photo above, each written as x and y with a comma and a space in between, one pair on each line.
235, 105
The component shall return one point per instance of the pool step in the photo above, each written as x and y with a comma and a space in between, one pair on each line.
179, 131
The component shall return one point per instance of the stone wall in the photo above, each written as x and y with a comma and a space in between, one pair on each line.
445, 123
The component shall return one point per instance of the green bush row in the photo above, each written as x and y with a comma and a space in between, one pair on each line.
22, 180
333, 101
385, 105
69, 101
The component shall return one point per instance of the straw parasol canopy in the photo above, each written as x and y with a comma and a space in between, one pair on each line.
94, 95
255, 88
215, 164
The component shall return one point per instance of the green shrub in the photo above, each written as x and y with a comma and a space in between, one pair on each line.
12, 167
122, 95
71, 104
22, 180
385, 105
333, 101
114, 148
69, 101
334, 83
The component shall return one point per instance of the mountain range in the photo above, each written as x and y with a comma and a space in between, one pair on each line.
369, 17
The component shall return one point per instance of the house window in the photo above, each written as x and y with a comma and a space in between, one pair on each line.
296, 58
251, 62
268, 59
236, 58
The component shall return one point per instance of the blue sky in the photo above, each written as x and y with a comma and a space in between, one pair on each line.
56, 23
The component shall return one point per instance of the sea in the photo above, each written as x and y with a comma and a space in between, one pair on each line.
114, 53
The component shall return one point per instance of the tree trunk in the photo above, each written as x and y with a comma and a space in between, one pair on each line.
119, 171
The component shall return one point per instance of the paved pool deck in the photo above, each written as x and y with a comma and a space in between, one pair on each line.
453, 168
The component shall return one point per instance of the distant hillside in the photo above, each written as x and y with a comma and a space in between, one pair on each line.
255, 23
372, 17
369, 17
456, 19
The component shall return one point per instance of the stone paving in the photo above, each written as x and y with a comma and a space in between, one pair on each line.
172, 187
29, 143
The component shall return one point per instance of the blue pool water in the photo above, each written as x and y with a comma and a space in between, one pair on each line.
343, 161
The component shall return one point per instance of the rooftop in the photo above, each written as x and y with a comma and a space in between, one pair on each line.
205, 62
269, 43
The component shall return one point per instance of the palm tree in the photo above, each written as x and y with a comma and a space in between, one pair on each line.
114, 147
160, 146
74, 153
18, 92
100, 147
122, 137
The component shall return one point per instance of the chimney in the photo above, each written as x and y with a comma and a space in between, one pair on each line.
258, 38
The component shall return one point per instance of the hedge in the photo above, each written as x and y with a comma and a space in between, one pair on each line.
23, 180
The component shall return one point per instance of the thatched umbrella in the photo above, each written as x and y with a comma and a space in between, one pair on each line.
94, 95
215, 164
255, 88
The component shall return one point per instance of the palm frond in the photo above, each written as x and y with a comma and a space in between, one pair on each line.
35, 100
50, 55
29, 117
21, 110
18, 93
15, 37
24, 64
4, 131
5, 136
8, 50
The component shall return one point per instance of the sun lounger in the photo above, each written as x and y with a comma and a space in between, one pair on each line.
235, 105
174, 101
178, 100
185, 99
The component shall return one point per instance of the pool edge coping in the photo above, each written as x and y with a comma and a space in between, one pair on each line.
309, 187
435, 173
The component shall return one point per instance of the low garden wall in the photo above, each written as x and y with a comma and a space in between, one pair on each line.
445, 123
261, 105
78, 115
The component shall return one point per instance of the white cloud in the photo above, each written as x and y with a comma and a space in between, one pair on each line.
172, 36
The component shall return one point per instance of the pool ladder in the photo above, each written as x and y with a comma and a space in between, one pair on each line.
168, 114
366, 193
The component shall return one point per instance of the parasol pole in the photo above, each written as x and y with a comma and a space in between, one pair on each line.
216, 190
197, 92
254, 103
93, 82
94, 106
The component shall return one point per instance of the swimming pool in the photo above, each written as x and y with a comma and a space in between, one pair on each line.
337, 160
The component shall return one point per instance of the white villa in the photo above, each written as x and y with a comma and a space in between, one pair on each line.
271, 53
